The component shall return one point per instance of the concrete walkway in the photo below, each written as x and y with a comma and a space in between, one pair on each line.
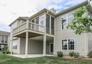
29, 56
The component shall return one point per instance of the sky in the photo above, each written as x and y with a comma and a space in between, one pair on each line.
12, 9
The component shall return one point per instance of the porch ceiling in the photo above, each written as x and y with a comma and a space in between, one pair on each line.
41, 38
30, 34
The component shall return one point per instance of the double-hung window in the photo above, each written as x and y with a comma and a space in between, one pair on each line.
64, 44
71, 44
68, 44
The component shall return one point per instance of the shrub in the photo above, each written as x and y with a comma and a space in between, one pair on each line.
71, 54
60, 54
4, 52
90, 54
8, 52
76, 55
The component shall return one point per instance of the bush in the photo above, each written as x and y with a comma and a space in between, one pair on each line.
8, 52
60, 54
76, 55
71, 54
90, 54
4, 52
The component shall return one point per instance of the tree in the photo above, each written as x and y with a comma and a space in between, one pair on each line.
81, 22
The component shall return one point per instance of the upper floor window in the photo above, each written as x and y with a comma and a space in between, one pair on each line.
52, 25
37, 20
63, 23
68, 44
48, 24
33, 21
42, 23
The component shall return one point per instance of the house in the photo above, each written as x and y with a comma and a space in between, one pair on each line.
4, 39
45, 33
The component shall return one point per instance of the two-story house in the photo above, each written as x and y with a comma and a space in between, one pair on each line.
45, 34
4, 39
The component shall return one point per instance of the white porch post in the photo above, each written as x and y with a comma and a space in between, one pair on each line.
11, 44
26, 45
19, 46
44, 45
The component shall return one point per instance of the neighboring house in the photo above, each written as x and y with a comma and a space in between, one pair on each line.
4, 40
45, 33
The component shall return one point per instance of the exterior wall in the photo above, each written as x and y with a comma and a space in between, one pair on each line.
22, 45
35, 47
80, 40
89, 42
15, 45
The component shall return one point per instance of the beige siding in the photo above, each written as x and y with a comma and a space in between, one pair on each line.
89, 42
22, 45
35, 47
80, 40
15, 42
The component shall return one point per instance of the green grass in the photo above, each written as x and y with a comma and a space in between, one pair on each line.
4, 59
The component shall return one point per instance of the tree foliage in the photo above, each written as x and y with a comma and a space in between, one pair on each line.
81, 22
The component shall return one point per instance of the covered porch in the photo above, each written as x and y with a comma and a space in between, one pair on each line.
34, 45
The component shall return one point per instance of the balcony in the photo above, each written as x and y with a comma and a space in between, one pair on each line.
30, 27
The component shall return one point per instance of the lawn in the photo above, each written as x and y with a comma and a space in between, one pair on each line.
4, 59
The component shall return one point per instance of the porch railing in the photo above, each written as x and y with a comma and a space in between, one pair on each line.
31, 26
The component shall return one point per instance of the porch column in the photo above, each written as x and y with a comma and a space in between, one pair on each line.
26, 45
11, 44
44, 45
19, 46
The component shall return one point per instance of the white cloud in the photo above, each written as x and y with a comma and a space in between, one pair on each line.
11, 9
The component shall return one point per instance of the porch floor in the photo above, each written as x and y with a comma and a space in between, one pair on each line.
30, 55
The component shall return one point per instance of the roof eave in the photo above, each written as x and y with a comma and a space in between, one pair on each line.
71, 8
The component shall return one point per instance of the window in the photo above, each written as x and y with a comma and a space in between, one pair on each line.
64, 44
32, 25
2, 41
63, 23
68, 44
15, 47
33, 21
47, 24
71, 44
52, 25
6, 39
37, 20
42, 22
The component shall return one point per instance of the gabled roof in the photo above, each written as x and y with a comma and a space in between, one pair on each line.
19, 18
72, 8
36, 14
42, 11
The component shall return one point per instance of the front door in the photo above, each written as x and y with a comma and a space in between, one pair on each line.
51, 48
